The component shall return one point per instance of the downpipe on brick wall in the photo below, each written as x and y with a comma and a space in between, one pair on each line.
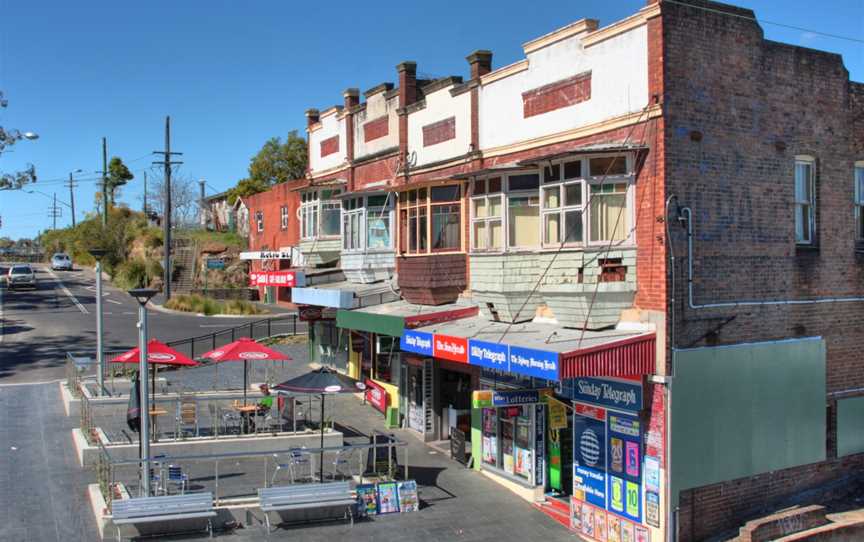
693, 305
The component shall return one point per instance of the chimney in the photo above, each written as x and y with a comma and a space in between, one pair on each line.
407, 83
312, 116
352, 98
480, 62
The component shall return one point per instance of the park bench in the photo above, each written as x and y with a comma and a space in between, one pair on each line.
163, 509
337, 496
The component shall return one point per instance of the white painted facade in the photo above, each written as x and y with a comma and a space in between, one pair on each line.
440, 105
619, 85
377, 106
332, 123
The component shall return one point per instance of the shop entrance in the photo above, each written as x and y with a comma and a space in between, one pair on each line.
453, 402
559, 474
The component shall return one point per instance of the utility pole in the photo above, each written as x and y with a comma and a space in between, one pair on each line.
202, 217
145, 194
104, 182
72, 198
55, 211
166, 208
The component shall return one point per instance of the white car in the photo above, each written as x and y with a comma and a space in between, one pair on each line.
61, 262
21, 276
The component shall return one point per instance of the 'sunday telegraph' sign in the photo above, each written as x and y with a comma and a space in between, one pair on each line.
610, 393
418, 342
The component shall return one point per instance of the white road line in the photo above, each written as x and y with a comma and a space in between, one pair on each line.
112, 301
2, 322
129, 312
38, 383
67, 292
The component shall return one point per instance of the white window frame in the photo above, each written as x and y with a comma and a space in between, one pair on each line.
259, 221
311, 211
858, 180
799, 201
508, 194
363, 211
563, 208
485, 198
283, 217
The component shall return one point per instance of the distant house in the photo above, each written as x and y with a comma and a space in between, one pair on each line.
241, 217
217, 214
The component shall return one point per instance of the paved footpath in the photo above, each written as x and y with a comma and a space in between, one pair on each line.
43, 495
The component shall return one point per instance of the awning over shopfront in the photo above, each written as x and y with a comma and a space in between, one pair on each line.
537, 350
392, 318
611, 146
344, 295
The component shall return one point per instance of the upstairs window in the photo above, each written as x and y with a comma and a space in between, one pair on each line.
430, 220
320, 214
283, 217
352, 224
562, 196
805, 201
486, 215
859, 201
366, 223
259, 221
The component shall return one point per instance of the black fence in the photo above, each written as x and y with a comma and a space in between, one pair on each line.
287, 324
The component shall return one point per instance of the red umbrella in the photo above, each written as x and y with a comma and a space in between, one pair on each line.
158, 353
245, 350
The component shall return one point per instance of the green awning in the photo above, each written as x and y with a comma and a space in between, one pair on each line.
383, 324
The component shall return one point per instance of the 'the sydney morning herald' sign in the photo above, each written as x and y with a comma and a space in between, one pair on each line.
501, 357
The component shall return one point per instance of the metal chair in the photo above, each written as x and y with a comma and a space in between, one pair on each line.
231, 418
298, 464
187, 415
343, 463
177, 478
215, 419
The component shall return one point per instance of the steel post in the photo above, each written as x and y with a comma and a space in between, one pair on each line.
144, 405
100, 361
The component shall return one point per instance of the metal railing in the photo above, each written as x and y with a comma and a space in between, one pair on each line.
258, 329
238, 475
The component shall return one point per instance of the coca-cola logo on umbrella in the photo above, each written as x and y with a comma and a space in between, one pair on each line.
162, 357
253, 355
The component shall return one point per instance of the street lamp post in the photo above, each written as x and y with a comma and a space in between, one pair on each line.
72, 193
142, 296
98, 254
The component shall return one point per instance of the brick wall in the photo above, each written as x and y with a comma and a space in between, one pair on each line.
563, 93
374, 171
329, 145
376, 128
438, 132
738, 109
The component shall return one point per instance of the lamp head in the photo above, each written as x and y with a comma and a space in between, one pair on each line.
97, 253
142, 295
30, 135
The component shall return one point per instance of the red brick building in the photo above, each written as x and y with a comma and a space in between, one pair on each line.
273, 226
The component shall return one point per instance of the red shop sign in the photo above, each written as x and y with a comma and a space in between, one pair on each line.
590, 411
377, 396
450, 348
272, 278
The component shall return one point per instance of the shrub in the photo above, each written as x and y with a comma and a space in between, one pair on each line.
131, 274
205, 305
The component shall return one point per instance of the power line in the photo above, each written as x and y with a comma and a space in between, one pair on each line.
763, 21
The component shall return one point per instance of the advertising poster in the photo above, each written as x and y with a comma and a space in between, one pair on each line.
633, 508
600, 525
576, 515
557, 415
368, 497
632, 459
652, 474
613, 522
625, 452
627, 533
408, 500
539, 445
616, 492
652, 508
588, 520
642, 534
589, 460
388, 498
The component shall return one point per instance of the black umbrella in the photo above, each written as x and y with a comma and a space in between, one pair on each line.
323, 381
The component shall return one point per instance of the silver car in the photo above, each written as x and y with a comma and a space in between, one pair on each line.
21, 276
61, 262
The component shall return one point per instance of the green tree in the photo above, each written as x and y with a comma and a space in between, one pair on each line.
118, 175
276, 162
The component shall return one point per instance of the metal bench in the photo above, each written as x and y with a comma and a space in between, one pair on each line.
333, 495
167, 508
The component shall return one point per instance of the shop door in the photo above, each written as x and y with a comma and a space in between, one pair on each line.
560, 461
428, 396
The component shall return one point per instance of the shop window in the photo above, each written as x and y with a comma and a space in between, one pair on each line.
430, 220
259, 221
508, 440
386, 362
608, 212
283, 217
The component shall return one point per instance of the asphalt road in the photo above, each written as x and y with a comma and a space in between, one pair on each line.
38, 327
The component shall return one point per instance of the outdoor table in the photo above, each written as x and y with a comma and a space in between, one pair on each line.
248, 410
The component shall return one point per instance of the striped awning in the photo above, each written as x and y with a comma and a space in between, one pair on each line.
633, 356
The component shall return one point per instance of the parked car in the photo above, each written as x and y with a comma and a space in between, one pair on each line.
61, 262
21, 276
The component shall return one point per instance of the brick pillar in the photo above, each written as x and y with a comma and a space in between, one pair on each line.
352, 100
312, 117
407, 95
480, 62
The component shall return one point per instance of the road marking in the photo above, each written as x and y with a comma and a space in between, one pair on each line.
274, 324
66, 291
129, 312
2, 321
38, 383
112, 301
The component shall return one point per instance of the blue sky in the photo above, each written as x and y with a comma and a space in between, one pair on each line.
232, 74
